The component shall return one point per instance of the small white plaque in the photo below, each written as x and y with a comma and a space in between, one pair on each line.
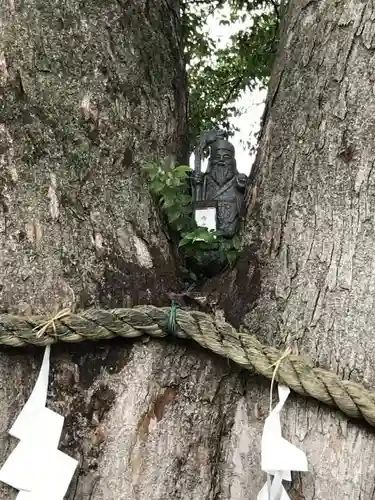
206, 217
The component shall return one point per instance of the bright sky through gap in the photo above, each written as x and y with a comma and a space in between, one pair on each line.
252, 103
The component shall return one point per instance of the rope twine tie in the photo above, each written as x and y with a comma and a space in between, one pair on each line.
41, 329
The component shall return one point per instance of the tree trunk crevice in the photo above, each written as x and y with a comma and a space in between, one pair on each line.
90, 91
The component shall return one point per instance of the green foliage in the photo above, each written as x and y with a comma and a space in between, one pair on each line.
218, 76
169, 184
205, 252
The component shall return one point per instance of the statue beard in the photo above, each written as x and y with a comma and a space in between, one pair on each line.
221, 173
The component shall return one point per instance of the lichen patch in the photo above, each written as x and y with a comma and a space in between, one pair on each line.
142, 253
85, 106
53, 201
132, 245
12, 7
13, 174
34, 232
98, 241
3, 69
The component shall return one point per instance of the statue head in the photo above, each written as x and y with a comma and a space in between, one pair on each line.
222, 162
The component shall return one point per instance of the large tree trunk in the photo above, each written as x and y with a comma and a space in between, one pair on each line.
89, 91
310, 234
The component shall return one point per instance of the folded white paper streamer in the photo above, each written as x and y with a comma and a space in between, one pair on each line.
36, 467
279, 457
37, 400
52, 482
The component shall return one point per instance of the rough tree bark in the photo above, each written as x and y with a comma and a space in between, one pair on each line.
88, 91
306, 277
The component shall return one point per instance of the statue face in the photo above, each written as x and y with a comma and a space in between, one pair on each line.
222, 166
223, 156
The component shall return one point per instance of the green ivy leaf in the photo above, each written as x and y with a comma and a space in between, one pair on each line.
169, 202
236, 242
231, 257
181, 171
157, 186
173, 217
184, 241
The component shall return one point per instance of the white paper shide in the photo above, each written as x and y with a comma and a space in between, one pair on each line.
36, 467
279, 457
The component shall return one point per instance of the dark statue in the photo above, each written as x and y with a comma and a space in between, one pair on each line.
221, 185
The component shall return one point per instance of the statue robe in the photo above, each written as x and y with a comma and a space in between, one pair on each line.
229, 200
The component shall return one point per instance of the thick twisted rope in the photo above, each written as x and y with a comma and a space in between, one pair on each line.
220, 337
